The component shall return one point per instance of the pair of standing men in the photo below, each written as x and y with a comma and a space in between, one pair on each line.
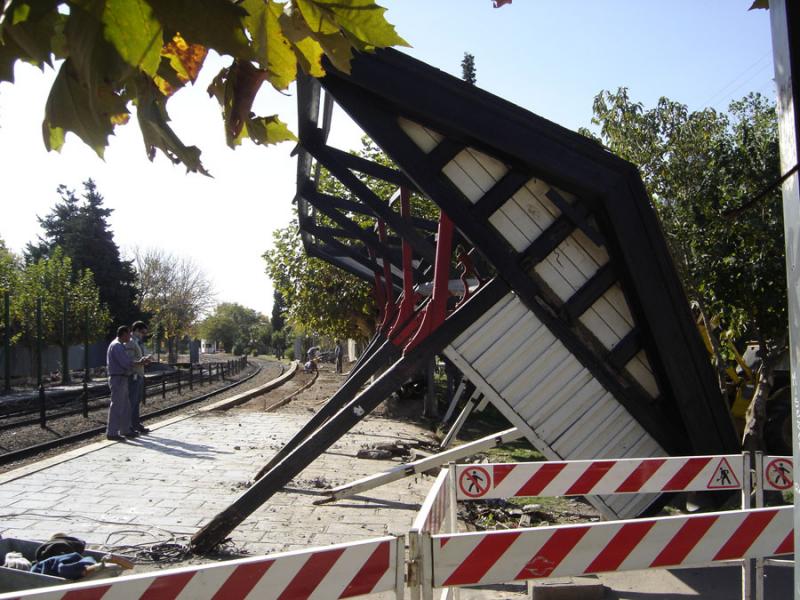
126, 361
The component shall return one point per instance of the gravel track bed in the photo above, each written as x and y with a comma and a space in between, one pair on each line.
30, 435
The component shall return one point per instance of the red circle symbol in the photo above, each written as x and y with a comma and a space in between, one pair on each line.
474, 482
779, 474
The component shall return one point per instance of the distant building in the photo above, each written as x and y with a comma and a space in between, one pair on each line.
208, 347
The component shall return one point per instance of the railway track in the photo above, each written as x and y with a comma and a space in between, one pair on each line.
84, 430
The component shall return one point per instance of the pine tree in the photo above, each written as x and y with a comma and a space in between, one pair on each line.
81, 229
278, 310
468, 72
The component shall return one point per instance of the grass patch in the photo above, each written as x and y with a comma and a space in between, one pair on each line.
517, 451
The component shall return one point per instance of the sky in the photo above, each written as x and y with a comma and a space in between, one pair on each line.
551, 58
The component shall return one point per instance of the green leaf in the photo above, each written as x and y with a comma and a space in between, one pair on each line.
271, 48
180, 63
71, 106
216, 24
158, 135
306, 48
760, 4
362, 20
35, 35
268, 130
135, 33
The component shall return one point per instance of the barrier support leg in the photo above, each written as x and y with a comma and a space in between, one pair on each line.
414, 566
426, 559
758, 583
452, 520
747, 488
400, 564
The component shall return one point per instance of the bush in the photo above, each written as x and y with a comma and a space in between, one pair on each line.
290, 353
239, 349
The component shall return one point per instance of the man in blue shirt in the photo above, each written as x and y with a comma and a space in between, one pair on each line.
120, 367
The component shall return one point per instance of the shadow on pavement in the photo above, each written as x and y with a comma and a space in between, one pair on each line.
177, 448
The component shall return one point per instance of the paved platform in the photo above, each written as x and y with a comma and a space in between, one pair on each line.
185, 471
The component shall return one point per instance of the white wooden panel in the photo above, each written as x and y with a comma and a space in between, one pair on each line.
610, 429
509, 231
484, 169
518, 215
536, 213
620, 445
463, 181
485, 318
520, 386
577, 255
592, 320
538, 189
616, 298
508, 345
598, 253
639, 369
486, 338
591, 423
423, 137
550, 273
519, 364
567, 405
545, 393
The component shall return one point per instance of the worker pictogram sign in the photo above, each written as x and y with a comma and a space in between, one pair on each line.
779, 473
474, 482
724, 477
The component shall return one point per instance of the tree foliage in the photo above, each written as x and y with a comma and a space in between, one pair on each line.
278, 310
52, 279
113, 55
468, 72
80, 228
236, 326
172, 289
700, 168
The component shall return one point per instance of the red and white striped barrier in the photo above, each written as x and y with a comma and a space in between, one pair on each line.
339, 571
565, 550
434, 511
584, 477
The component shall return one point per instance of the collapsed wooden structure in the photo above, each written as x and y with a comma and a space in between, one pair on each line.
580, 333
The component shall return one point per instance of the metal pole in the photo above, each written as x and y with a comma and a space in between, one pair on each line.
85, 396
163, 386
191, 376
747, 490
7, 342
179, 380
39, 384
785, 25
65, 378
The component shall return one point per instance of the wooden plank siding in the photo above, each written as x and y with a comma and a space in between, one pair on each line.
521, 220
528, 374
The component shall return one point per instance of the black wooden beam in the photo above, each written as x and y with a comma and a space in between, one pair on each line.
589, 292
378, 206
368, 167
558, 231
628, 347
500, 193
443, 153
349, 415
579, 215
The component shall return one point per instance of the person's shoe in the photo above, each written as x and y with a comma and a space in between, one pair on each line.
115, 438
142, 429
131, 434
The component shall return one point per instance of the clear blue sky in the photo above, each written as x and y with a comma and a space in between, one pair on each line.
549, 57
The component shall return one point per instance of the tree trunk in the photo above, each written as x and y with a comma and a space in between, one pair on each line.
756, 416
172, 350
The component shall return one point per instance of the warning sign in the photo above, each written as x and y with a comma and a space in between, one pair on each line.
723, 478
778, 474
474, 482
